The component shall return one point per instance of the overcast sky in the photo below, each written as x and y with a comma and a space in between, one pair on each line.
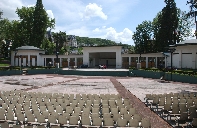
109, 19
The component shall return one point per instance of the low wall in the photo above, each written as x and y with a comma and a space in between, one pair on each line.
167, 76
42, 71
11, 72
94, 73
78, 72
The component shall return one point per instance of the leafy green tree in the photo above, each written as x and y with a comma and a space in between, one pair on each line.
143, 38
168, 21
48, 46
25, 25
185, 26
59, 39
40, 20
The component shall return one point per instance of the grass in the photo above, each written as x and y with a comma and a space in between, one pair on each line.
3, 65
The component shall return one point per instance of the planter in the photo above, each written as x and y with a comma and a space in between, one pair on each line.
167, 76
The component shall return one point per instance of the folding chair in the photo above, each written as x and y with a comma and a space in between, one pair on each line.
52, 119
50, 109
127, 116
85, 121
62, 120
116, 117
123, 111
97, 122
105, 110
69, 109
67, 115
108, 122
59, 109
138, 117
122, 122
85, 114
5, 125
73, 120
17, 126
106, 115
41, 119
2, 116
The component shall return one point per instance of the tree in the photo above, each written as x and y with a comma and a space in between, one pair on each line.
143, 38
39, 24
59, 39
21, 31
185, 25
168, 21
48, 46
25, 26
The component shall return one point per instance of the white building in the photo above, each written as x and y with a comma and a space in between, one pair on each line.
185, 56
92, 56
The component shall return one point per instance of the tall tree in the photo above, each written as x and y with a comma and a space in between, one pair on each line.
168, 22
40, 21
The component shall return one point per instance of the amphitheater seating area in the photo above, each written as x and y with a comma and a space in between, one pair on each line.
178, 109
21, 109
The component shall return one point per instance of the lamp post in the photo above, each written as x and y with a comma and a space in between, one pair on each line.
20, 64
171, 50
136, 62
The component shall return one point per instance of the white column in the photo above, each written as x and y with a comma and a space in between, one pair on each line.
53, 61
75, 61
28, 59
86, 58
146, 62
180, 59
68, 62
118, 60
129, 61
60, 62
193, 59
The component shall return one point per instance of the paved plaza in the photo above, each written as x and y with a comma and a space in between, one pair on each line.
90, 85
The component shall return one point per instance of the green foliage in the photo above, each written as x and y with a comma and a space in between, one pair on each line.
32, 24
62, 51
168, 22
48, 46
40, 21
185, 25
59, 39
85, 41
143, 38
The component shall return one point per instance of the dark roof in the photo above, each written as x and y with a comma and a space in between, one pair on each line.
188, 42
103, 46
29, 48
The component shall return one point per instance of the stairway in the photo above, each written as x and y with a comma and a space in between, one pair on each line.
24, 72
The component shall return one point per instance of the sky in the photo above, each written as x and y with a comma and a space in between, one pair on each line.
115, 20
